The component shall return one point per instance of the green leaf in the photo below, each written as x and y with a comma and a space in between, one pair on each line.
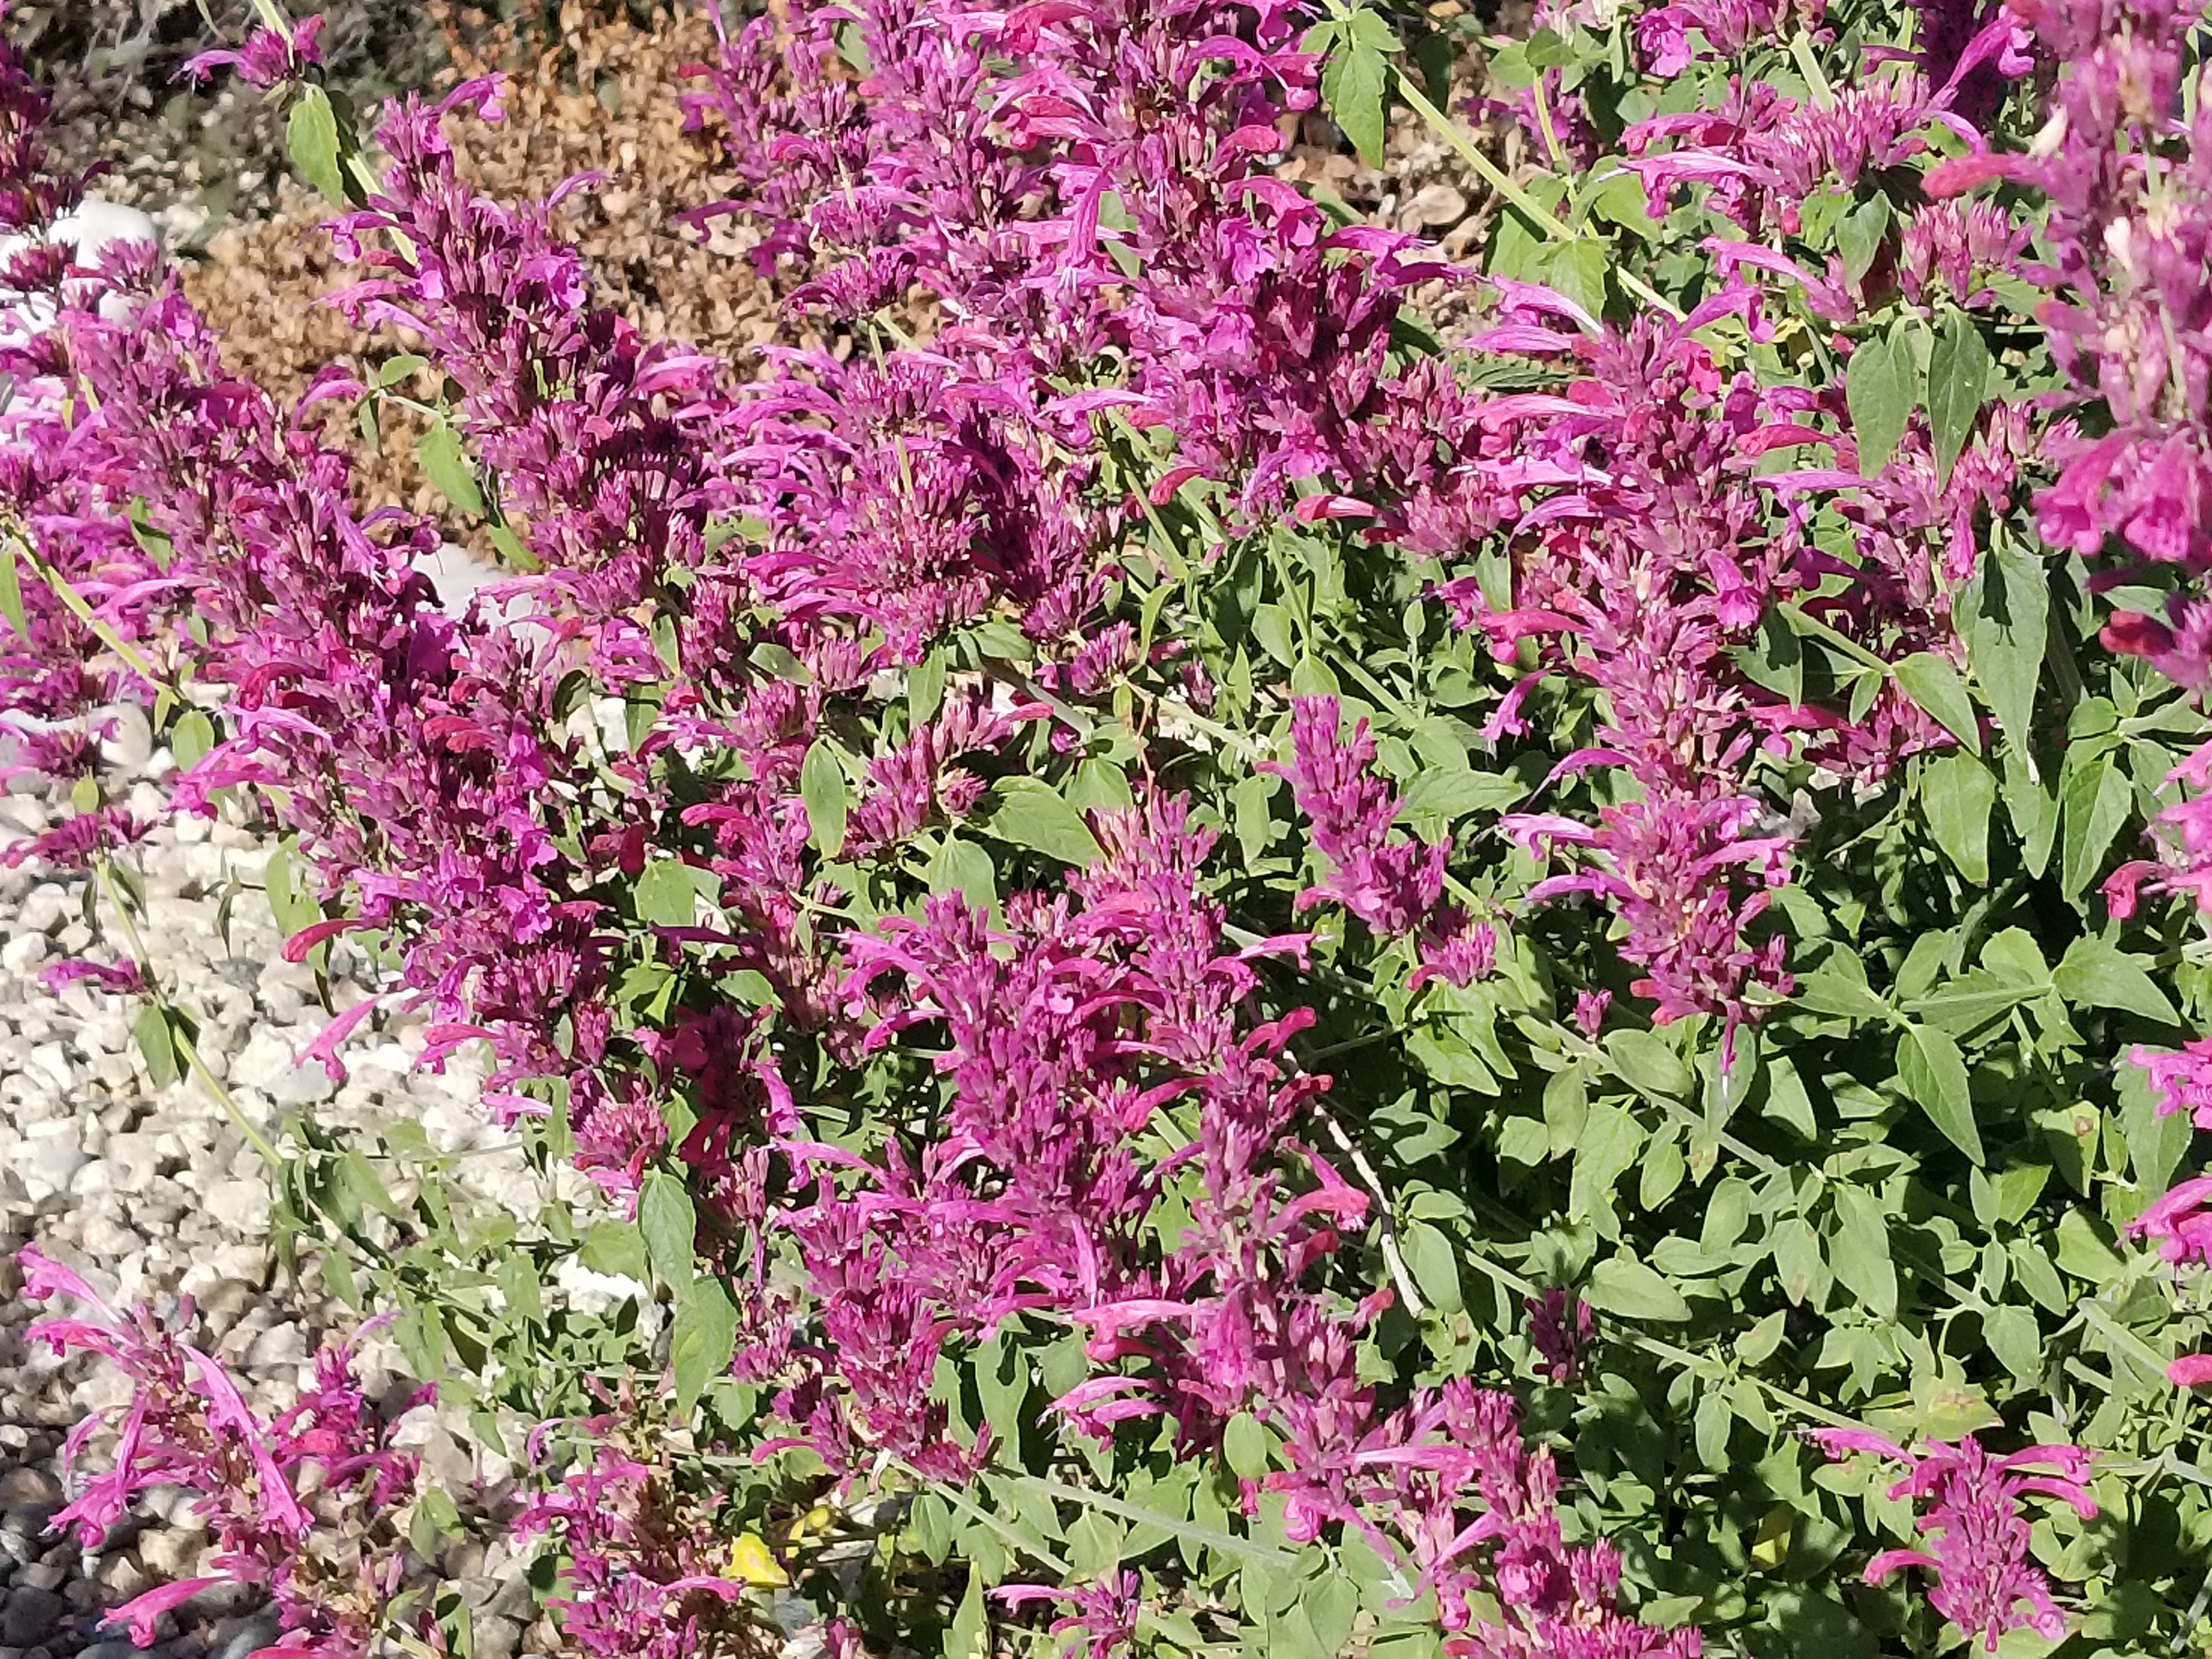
2017, 1340
925, 689
1958, 792
1649, 1064
2083, 1250
1880, 386
968, 1636
669, 1226
1002, 1384
1434, 1265
1624, 1286
2006, 643
666, 893
1935, 685
312, 140
445, 463
823, 789
1797, 1261
1245, 1444
1859, 1253
1254, 823
1604, 1144
962, 867
1454, 793
2103, 976
1714, 1418
1030, 813
400, 367
519, 1287
1578, 269
702, 1339
1859, 237
1838, 987
2097, 801
191, 738
290, 903
1958, 383
1934, 1075
156, 1044
11, 589
615, 1249
1352, 84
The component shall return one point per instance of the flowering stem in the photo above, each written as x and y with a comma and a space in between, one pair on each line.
1448, 131
1801, 50
82, 611
104, 870
1385, 1222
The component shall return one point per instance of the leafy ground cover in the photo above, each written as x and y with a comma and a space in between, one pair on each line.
1272, 939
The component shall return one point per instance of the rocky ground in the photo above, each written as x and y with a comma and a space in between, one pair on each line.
154, 1194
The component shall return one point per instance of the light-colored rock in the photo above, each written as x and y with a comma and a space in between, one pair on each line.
239, 1207
280, 1344
1433, 207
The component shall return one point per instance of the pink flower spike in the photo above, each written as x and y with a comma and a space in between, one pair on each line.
140, 1612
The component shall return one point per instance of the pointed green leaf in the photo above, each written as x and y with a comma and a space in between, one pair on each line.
2101, 975
191, 738
1859, 237
1958, 383
968, 1636
445, 463
1935, 685
823, 789
1880, 387
666, 893
2006, 643
1245, 1444
702, 1339
157, 1045
1934, 1075
2097, 801
1434, 1265
1352, 84
669, 1225
1624, 1286
1958, 792
1030, 813
1859, 1253
312, 140
925, 689
11, 589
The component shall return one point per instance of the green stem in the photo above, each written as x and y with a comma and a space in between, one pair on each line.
1448, 131
104, 870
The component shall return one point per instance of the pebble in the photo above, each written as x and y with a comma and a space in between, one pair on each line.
31, 1616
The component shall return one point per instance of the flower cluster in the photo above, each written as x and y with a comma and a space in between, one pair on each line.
685, 818
1977, 1538
306, 1505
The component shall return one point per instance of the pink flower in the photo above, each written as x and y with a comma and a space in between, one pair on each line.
267, 59
1977, 1550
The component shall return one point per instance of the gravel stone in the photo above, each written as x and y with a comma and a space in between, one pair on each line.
31, 1616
